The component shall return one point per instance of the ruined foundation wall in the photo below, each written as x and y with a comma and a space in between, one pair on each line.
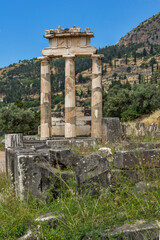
83, 122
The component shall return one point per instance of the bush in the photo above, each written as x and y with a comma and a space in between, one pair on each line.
129, 115
18, 120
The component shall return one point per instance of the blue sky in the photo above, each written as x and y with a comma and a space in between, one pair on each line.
23, 22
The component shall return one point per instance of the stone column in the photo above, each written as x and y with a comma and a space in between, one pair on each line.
70, 99
46, 128
96, 101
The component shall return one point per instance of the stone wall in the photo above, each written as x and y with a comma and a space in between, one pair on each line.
140, 129
83, 121
34, 165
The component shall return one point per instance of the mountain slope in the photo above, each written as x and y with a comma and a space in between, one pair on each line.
148, 32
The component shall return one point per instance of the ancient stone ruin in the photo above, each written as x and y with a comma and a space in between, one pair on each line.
34, 163
70, 43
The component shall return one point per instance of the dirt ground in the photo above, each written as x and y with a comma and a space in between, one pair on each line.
2, 161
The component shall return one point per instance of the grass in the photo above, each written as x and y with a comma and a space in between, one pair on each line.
153, 118
85, 215
146, 138
147, 120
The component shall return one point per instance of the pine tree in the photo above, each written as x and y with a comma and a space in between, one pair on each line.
144, 52
151, 50
126, 60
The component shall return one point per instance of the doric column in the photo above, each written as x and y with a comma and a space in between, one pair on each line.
70, 100
46, 128
96, 101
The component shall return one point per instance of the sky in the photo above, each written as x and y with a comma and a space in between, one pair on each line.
23, 22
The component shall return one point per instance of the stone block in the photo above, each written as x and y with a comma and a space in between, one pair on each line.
9, 161
87, 112
111, 130
79, 114
27, 177
140, 230
57, 114
123, 128
157, 134
152, 129
105, 152
135, 158
60, 123
14, 140
58, 130
34, 175
31, 138
93, 173
64, 158
57, 119
142, 187
83, 130
140, 130
129, 130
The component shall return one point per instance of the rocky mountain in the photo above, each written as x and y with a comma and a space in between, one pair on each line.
148, 32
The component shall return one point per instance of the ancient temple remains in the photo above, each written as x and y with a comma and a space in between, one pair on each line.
70, 43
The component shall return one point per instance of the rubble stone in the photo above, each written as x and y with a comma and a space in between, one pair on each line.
140, 129
93, 173
137, 157
105, 152
152, 129
141, 230
111, 130
64, 158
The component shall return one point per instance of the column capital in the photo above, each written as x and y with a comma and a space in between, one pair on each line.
44, 59
97, 56
69, 56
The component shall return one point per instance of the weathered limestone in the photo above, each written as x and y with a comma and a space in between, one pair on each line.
93, 173
105, 152
70, 98
111, 130
96, 102
138, 157
140, 129
11, 141
33, 173
64, 158
78, 51
140, 230
70, 43
152, 129
83, 121
45, 98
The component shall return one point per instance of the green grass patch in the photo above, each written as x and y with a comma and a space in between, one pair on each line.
85, 215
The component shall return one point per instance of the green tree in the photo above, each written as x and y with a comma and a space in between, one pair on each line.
18, 120
151, 50
144, 52
116, 102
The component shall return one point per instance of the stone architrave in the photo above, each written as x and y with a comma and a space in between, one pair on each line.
96, 101
45, 98
70, 98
